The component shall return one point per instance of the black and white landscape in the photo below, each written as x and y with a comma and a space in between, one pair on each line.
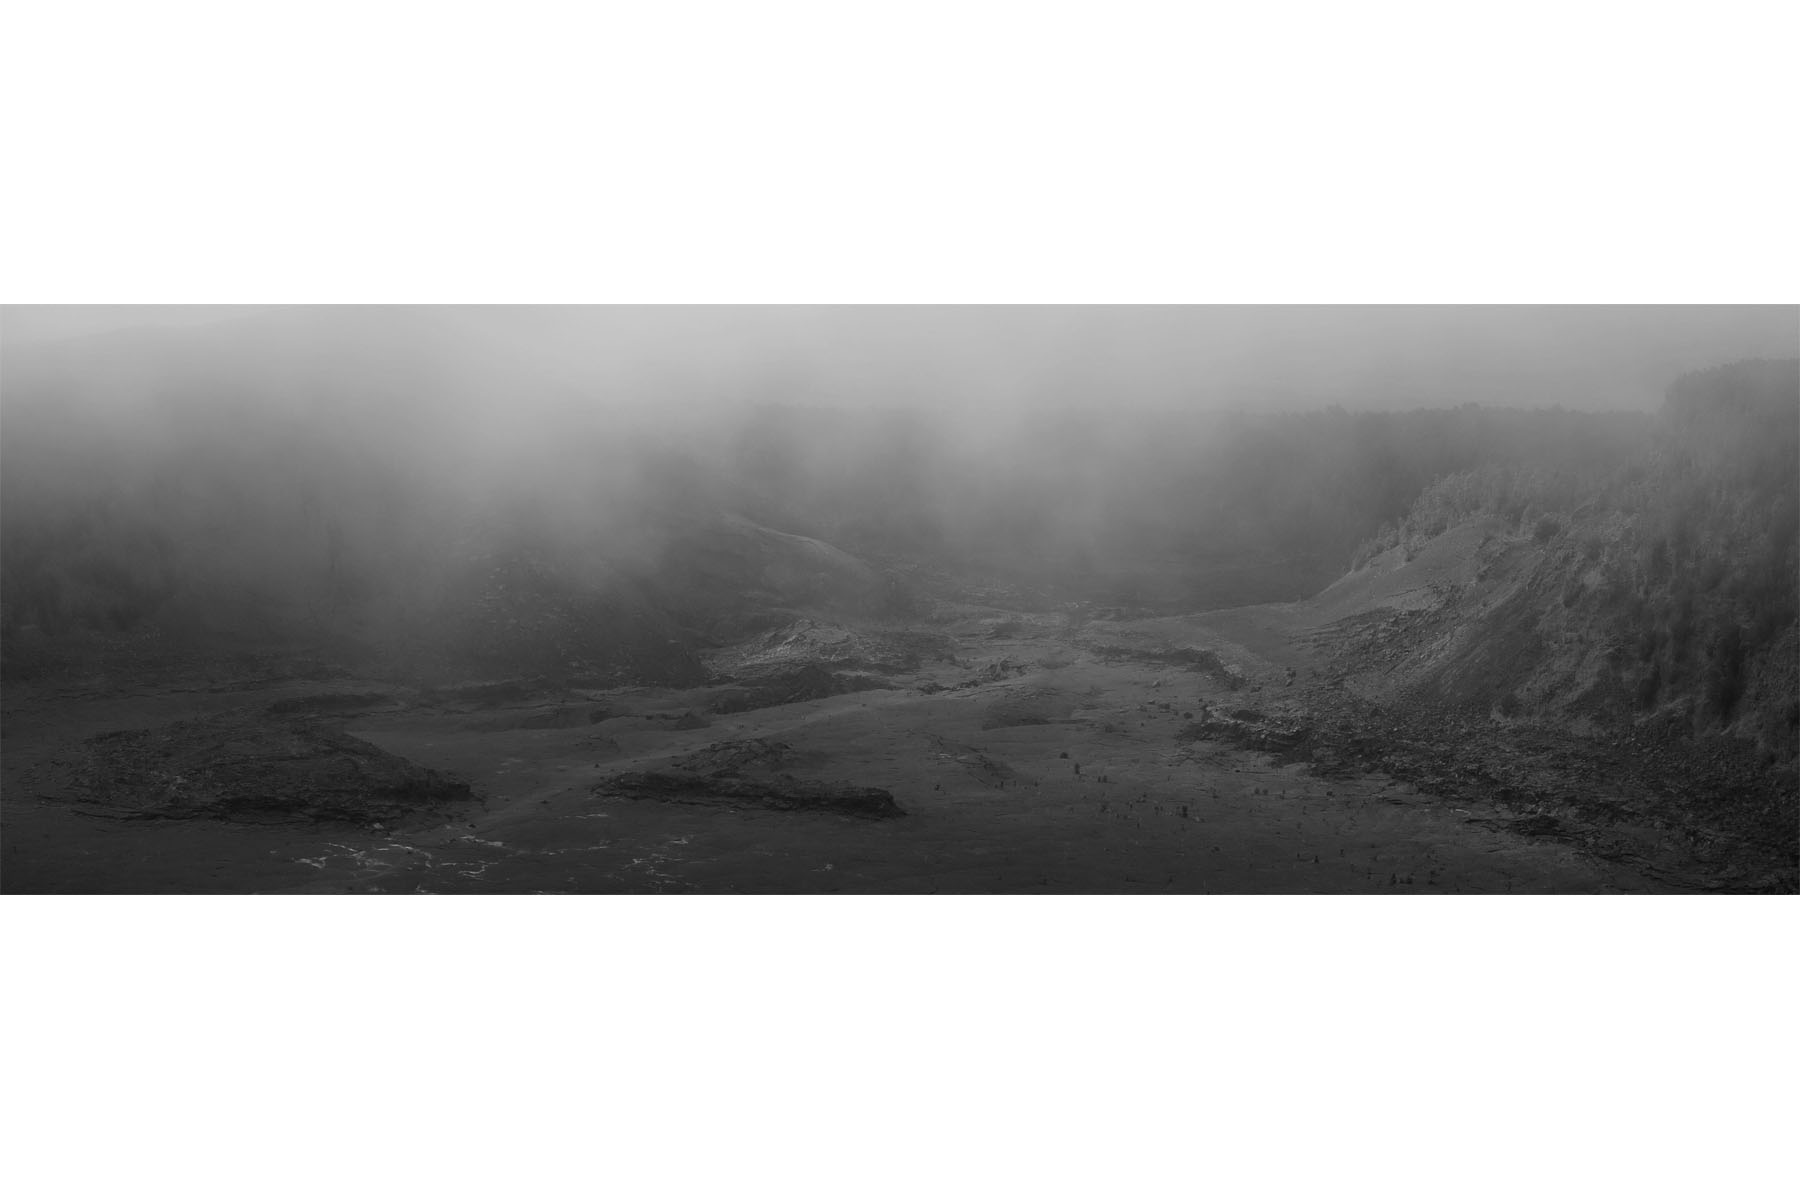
594, 600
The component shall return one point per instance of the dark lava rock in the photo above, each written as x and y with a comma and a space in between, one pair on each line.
730, 791
737, 756
1248, 728
331, 702
252, 768
750, 771
810, 682
1536, 825
994, 673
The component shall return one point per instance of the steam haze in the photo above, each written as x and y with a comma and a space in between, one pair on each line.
985, 358
816, 598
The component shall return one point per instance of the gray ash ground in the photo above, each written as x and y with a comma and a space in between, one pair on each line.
1027, 752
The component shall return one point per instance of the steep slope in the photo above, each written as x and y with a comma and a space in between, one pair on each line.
1663, 592
1621, 645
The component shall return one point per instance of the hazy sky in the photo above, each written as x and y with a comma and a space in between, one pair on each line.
1213, 356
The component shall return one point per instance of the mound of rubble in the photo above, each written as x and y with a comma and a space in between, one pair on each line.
750, 773
249, 768
739, 755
